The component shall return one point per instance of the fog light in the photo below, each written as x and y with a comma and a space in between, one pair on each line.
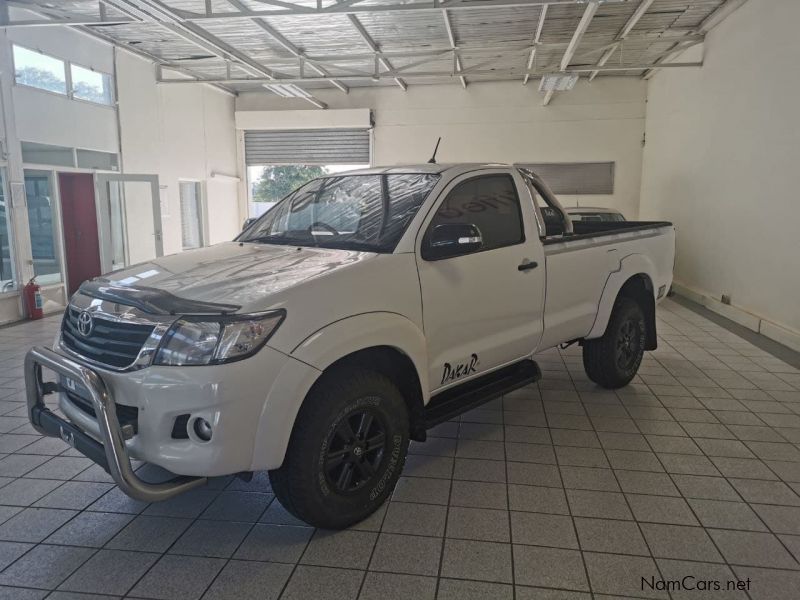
202, 429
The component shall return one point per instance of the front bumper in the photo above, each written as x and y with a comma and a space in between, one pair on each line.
112, 453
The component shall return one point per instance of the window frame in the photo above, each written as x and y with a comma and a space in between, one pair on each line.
201, 212
455, 184
112, 99
69, 92
64, 63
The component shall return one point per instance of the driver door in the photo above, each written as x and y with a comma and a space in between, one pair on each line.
482, 309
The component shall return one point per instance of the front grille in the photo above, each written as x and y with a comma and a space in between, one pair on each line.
126, 415
109, 343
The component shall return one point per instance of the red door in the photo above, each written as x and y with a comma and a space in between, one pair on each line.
79, 216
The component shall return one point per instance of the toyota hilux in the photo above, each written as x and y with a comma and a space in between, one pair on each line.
356, 314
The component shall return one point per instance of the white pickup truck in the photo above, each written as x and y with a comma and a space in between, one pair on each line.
357, 313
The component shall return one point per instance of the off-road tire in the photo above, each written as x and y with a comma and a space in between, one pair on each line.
605, 359
307, 486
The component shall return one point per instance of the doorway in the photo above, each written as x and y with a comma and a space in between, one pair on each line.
79, 218
129, 209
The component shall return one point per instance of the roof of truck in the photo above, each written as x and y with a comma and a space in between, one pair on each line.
422, 168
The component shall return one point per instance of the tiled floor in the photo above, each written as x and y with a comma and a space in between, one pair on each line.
558, 491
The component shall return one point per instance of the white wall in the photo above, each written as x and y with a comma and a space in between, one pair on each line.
179, 132
502, 122
721, 162
50, 118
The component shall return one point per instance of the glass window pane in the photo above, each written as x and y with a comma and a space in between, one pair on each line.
491, 204
190, 215
7, 278
90, 85
45, 154
91, 159
42, 224
39, 70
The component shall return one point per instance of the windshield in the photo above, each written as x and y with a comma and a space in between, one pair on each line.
350, 212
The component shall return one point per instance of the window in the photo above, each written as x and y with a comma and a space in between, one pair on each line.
348, 212
191, 212
491, 204
91, 85
6, 260
45, 154
41, 222
39, 70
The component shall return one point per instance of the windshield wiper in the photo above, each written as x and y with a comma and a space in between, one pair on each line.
281, 240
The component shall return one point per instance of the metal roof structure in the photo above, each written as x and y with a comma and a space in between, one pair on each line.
306, 45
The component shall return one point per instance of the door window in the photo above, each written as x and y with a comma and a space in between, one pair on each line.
489, 202
6, 258
191, 215
41, 220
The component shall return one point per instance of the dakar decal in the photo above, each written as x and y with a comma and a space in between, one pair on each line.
453, 372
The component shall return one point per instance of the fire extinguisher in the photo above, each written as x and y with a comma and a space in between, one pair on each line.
33, 299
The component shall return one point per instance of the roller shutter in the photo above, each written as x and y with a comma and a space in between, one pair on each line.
307, 147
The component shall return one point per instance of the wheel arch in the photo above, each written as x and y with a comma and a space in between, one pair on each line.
634, 280
386, 342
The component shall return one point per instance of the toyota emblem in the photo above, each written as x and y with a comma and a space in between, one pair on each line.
85, 323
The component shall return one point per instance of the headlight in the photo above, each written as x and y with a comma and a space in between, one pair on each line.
204, 342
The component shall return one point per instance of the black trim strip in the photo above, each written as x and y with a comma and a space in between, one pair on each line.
619, 227
151, 300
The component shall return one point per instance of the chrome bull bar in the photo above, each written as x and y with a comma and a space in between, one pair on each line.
111, 454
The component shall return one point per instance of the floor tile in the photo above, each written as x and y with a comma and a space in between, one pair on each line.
248, 580
323, 583
661, 509
394, 586
621, 575
274, 543
483, 561
111, 572
215, 539
549, 567
178, 578
605, 535
543, 530
752, 548
680, 542
418, 519
44, 566
343, 549
485, 524
415, 555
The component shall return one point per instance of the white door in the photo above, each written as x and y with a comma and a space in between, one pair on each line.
483, 308
129, 219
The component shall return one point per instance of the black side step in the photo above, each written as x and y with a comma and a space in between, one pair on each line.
461, 398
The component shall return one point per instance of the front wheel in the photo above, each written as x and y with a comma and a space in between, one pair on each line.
346, 451
613, 360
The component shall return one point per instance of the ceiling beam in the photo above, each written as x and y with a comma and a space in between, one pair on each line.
536, 41
290, 47
637, 15
374, 47
193, 33
711, 21
498, 74
360, 8
580, 30
456, 58
547, 97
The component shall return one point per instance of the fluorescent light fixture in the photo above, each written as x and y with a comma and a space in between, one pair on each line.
558, 82
286, 90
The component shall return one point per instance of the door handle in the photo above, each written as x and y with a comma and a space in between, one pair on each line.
527, 266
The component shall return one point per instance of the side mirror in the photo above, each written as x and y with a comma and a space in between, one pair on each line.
452, 239
249, 222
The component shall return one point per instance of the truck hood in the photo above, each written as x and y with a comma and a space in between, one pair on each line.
242, 276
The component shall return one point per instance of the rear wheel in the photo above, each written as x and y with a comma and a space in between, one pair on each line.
613, 360
346, 451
